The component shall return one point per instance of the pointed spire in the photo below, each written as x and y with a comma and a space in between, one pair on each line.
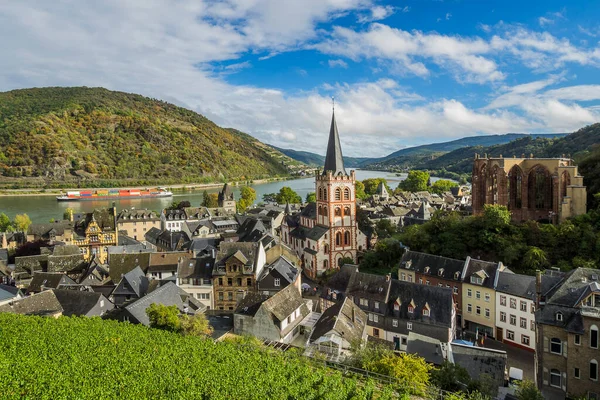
334, 161
288, 211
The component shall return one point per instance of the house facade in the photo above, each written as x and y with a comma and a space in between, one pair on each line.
136, 223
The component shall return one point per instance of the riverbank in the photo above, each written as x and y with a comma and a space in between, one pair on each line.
181, 187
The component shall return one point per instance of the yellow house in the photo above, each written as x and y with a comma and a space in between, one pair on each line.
479, 296
94, 232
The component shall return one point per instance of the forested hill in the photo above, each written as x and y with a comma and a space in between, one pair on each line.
58, 136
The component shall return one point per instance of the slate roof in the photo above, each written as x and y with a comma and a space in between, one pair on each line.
438, 299
479, 360
338, 317
43, 230
524, 285
168, 295
573, 286
48, 280
8, 292
103, 217
340, 280
474, 266
310, 211
285, 302
201, 268
228, 249
120, 264
165, 262
315, 233
137, 283
44, 303
152, 235
136, 214
418, 262
334, 161
282, 268
250, 304
4, 255
78, 302
170, 240
376, 287
427, 347
66, 250
251, 230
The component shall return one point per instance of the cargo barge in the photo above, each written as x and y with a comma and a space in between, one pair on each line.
113, 194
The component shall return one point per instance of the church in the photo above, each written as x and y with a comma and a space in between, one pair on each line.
325, 232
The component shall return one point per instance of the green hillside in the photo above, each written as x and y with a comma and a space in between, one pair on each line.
89, 358
57, 136
318, 160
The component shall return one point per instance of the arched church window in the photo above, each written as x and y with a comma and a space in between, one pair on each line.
565, 181
326, 249
338, 239
346, 211
320, 193
338, 212
347, 238
346, 193
325, 194
338, 194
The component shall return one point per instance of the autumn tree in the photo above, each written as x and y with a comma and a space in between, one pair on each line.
196, 325
4, 222
210, 200
247, 197
164, 317
22, 222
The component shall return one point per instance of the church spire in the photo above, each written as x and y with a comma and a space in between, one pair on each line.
333, 159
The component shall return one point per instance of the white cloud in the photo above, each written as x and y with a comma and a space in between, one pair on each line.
448, 16
378, 13
543, 21
405, 9
484, 27
337, 63
238, 66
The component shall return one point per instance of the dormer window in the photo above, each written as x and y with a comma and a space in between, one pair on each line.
441, 272
426, 311
559, 316
427, 270
457, 275
476, 280
411, 309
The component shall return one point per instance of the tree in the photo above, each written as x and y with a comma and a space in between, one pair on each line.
183, 204
4, 222
210, 200
22, 222
270, 197
411, 371
372, 184
287, 195
359, 190
527, 390
495, 217
442, 186
311, 197
535, 258
416, 181
247, 197
68, 213
385, 228
345, 260
196, 325
450, 377
164, 317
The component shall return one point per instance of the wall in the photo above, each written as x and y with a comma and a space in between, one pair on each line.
482, 303
137, 228
518, 331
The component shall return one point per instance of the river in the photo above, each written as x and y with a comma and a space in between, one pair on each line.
42, 209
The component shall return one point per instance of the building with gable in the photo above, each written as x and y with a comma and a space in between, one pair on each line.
326, 232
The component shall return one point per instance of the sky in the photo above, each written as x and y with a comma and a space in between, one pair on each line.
403, 73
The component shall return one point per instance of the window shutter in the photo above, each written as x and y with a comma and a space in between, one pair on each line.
545, 344
545, 376
565, 349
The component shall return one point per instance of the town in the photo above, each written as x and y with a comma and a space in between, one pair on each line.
290, 274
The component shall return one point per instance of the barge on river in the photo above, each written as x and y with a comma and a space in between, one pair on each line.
113, 194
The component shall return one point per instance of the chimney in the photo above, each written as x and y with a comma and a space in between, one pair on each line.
538, 288
388, 277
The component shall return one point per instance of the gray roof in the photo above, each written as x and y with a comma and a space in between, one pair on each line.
120, 264
201, 268
479, 360
334, 161
339, 318
8, 292
523, 285
168, 295
285, 302
136, 280
438, 299
474, 266
246, 252
375, 287
283, 268
573, 287
77, 302
44, 303
250, 304
48, 280
427, 347
418, 262
310, 211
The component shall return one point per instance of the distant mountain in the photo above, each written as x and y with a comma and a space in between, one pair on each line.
92, 136
319, 160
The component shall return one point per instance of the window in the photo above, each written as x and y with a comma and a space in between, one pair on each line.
555, 346
395, 323
426, 312
277, 282
510, 335
347, 238
555, 378
576, 373
502, 316
523, 323
594, 337
594, 370
427, 282
440, 285
513, 303
377, 305
403, 276
478, 310
375, 318
477, 280
469, 308
229, 295
221, 296
478, 294
487, 297
238, 281
364, 302
513, 319
523, 306
577, 340
338, 239
411, 309
421, 281
455, 289
229, 281
525, 340
532, 323
487, 313
375, 332
346, 194
248, 281
409, 326
469, 293
532, 308
396, 307
370, 317
559, 316
346, 211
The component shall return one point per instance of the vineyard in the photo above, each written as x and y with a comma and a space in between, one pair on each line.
70, 357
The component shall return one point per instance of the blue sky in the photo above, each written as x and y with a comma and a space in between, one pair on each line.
403, 72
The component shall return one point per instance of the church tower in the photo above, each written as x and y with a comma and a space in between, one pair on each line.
336, 202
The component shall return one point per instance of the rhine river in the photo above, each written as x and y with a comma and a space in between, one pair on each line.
42, 209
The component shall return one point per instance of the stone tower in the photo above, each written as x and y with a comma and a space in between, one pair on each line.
226, 199
336, 201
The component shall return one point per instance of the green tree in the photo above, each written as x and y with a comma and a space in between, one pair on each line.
22, 222
450, 377
196, 325
164, 317
416, 181
527, 390
68, 213
311, 197
247, 197
359, 189
270, 197
287, 195
372, 184
345, 260
495, 217
4, 222
385, 228
210, 200
535, 258
411, 371
442, 186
